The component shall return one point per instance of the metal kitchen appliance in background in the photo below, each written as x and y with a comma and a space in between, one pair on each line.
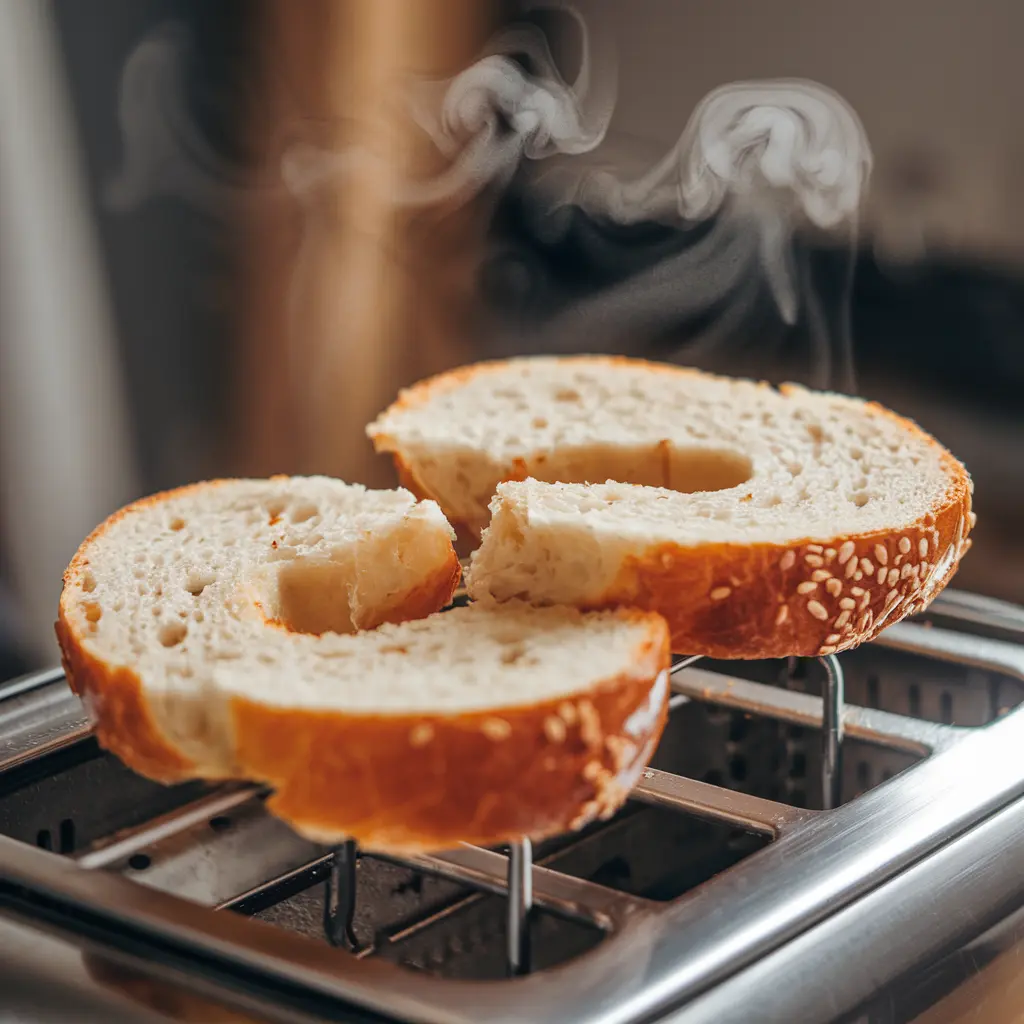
718, 894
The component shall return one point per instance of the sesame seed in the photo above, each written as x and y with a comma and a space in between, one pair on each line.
834, 586
856, 591
846, 552
847, 603
832, 638
867, 566
882, 573
591, 770
858, 575
420, 735
830, 554
827, 649
925, 566
906, 571
972, 518
782, 615
807, 587
865, 601
843, 618
787, 561
851, 568
904, 545
894, 575
496, 729
814, 560
893, 595
816, 548
817, 609
567, 712
922, 547
554, 729
720, 593
897, 560
881, 554
820, 575
864, 623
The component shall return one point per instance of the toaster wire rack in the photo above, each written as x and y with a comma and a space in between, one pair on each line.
656, 959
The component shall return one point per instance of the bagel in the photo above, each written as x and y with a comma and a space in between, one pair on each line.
211, 633
760, 522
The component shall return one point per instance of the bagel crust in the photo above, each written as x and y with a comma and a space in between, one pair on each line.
412, 784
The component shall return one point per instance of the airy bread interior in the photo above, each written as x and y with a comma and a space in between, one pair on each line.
253, 589
732, 460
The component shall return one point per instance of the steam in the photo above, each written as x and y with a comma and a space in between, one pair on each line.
757, 164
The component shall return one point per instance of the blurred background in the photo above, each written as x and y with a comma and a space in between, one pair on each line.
177, 301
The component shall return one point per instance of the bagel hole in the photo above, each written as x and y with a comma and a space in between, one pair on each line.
313, 596
686, 470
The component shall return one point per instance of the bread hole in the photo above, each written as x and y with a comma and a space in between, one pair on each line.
93, 612
860, 498
313, 596
567, 395
686, 470
177, 524
512, 654
172, 633
88, 582
539, 422
301, 513
198, 580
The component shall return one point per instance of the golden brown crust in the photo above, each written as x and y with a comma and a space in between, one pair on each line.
114, 695
428, 782
757, 601
117, 705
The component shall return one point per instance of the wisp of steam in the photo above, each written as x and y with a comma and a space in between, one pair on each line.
756, 163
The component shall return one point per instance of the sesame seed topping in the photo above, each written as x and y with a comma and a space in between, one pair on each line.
591, 770
817, 609
830, 554
906, 571
846, 552
893, 595
847, 603
867, 566
807, 587
720, 593
894, 575
865, 601
496, 729
816, 548
864, 623
972, 518
554, 729
851, 568
843, 618
788, 560
882, 573
420, 735
922, 547
881, 554
567, 712
782, 615
904, 545
832, 638
828, 649
834, 586
814, 560
858, 575
820, 575
856, 591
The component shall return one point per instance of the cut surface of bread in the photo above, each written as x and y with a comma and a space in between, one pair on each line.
210, 633
761, 522
180, 590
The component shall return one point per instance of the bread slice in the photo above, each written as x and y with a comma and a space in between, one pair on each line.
761, 522
209, 632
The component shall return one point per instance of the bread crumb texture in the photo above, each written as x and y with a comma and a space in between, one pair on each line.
284, 631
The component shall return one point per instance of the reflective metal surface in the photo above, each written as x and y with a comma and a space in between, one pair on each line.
819, 867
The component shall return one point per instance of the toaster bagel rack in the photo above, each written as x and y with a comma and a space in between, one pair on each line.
654, 955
